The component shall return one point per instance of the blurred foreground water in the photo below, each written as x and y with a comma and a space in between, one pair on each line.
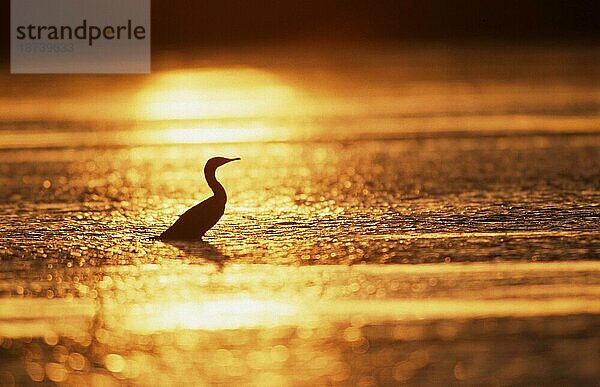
429, 229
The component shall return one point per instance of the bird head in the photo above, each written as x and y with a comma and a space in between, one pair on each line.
216, 162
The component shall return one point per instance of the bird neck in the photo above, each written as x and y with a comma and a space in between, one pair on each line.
216, 187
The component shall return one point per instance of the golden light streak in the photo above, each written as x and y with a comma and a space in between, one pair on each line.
196, 134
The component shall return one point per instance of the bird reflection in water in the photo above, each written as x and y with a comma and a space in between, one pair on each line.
200, 250
193, 224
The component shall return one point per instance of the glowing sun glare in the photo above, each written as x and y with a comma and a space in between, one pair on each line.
214, 93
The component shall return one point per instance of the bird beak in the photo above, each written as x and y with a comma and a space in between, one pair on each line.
230, 160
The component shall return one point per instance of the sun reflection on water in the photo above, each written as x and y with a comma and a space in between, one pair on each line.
176, 323
209, 315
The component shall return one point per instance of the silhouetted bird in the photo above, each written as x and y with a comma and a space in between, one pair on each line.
199, 219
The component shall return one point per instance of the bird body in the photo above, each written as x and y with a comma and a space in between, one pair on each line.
194, 223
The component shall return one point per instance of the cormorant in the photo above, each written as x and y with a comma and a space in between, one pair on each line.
199, 219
